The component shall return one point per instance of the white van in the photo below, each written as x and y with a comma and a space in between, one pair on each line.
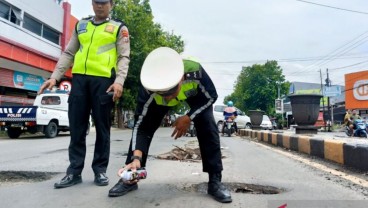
266, 123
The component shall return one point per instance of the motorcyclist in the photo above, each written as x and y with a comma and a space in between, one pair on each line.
347, 118
230, 113
352, 121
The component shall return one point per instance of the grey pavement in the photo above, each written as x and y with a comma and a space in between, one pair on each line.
169, 183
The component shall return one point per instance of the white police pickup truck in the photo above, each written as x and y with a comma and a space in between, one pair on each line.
48, 115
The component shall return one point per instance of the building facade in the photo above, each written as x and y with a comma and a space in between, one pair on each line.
32, 37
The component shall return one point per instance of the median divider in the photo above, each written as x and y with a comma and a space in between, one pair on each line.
343, 152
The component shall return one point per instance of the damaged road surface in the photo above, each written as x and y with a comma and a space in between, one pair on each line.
256, 175
7, 177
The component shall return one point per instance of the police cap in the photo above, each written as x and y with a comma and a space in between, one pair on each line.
162, 70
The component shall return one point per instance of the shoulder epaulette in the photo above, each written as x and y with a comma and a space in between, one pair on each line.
118, 20
193, 75
192, 70
87, 18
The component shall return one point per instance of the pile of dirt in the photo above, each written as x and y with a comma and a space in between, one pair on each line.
178, 153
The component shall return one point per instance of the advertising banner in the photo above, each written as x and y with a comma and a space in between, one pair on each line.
279, 105
27, 81
356, 90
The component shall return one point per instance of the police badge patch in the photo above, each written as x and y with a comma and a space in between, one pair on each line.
109, 28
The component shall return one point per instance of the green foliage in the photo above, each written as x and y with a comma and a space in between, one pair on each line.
257, 87
145, 35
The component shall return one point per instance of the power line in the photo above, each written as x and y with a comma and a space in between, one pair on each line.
344, 51
225, 72
349, 65
283, 60
337, 52
332, 7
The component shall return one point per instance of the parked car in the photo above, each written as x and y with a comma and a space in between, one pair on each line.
242, 120
48, 115
266, 123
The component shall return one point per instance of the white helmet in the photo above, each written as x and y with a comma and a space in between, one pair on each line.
162, 70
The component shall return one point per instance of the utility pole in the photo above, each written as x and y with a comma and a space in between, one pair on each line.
323, 100
328, 84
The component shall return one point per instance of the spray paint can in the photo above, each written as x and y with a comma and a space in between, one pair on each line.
129, 175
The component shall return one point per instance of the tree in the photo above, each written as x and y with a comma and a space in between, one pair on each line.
145, 35
257, 87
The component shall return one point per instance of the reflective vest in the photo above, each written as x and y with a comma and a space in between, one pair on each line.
97, 54
189, 86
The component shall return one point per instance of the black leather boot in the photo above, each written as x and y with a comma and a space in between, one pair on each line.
217, 190
122, 188
68, 180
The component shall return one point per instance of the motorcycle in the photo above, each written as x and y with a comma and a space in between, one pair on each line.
229, 128
360, 131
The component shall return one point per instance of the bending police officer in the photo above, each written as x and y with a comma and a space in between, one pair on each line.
167, 80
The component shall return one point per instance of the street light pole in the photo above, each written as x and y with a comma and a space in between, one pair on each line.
282, 102
323, 101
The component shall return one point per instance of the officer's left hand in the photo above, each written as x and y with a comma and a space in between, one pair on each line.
117, 89
181, 126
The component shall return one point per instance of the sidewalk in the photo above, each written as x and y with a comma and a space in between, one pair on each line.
333, 146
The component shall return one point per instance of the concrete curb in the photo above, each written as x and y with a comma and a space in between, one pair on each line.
342, 152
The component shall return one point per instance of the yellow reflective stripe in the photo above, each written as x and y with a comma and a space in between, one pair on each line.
105, 48
186, 86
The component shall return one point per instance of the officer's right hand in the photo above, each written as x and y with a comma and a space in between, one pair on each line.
133, 166
49, 84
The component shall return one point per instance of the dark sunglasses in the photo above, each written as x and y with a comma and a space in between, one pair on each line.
167, 92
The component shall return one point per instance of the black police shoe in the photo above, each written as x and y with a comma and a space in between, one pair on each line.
219, 192
68, 180
122, 188
101, 179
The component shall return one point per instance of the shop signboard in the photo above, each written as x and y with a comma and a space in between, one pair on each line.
27, 81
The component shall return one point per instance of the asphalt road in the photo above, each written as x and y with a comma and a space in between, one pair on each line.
303, 181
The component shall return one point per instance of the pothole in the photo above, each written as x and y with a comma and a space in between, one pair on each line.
25, 176
237, 188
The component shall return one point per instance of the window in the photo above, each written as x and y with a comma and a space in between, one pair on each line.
15, 16
50, 100
219, 108
40, 29
10, 13
4, 10
240, 113
50, 34
32, 25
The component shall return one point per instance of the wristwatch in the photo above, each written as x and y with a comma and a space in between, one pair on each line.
136, 157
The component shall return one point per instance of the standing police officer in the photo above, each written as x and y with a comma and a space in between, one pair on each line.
100, 50
167, 80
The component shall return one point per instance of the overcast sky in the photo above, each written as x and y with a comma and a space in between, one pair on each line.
303, 37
